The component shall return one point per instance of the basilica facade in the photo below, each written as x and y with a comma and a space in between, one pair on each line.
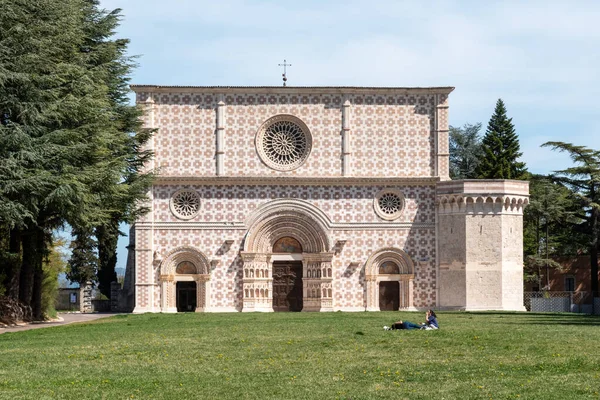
317, 199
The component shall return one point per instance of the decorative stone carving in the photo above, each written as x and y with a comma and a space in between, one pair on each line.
397, 266
257, 282
283, 142
389, 204
185, 204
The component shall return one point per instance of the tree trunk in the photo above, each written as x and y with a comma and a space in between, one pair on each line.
594, 252
27, 266
13, 264
107, 236
38, 277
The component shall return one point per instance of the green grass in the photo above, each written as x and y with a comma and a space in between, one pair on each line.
306, 356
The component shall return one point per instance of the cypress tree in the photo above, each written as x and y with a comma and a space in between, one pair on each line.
501, 149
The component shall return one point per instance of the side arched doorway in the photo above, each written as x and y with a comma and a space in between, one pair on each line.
390, 275
287, 263
184, 281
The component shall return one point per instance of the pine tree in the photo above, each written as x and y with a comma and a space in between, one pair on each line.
501, 148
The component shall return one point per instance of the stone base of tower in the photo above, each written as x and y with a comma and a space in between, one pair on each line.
480, 244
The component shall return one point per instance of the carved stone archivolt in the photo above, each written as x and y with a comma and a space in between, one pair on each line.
184, 264
401, 266
288, 217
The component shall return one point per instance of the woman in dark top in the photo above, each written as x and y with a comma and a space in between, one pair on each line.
430, 323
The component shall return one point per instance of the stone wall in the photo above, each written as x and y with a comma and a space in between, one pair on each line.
480, 241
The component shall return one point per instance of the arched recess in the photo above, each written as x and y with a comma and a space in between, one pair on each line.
379, 269
287, 217
195, 261
309, 227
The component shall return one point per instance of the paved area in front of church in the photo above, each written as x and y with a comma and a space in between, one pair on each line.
67, 318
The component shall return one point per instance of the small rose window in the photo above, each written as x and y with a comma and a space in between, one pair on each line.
389, 204
185, 204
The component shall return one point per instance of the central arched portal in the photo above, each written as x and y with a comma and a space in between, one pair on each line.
287, 275
287, 263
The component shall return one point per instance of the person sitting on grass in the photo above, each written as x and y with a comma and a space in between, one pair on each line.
430, 323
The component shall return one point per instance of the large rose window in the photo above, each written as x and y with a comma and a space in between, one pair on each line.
283, 142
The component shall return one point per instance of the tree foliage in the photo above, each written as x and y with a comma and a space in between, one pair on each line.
546, 231
71, 148
583, 181
465, 151
501, 149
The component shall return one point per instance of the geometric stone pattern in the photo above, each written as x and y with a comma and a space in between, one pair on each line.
391, 140
392, 135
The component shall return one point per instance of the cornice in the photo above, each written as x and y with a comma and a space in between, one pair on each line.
293, 89
361, 226
295, 180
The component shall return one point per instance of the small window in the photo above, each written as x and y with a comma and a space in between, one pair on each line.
569, 284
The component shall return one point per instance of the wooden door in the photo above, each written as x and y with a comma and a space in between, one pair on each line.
287, 285
389, 296
186, 296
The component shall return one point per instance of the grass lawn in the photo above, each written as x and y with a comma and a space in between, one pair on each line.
306, 356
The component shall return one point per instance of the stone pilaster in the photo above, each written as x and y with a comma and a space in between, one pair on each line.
346, 152
442, 143
146, 287
219, 137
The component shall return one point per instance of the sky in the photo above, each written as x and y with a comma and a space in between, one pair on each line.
541, 57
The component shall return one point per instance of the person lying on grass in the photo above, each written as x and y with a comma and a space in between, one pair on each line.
430, 323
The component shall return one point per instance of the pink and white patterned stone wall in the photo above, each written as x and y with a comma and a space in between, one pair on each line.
346, 207
395, 134
391, 134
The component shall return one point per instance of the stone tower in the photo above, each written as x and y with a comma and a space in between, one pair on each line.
480, 244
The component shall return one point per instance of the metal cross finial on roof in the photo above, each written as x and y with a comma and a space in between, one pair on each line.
284, 65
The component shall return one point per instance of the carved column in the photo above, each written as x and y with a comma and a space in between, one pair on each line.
372, 293
219, 137
326, 284
168, 287
317, 275
257, 282
201, 295
346, 169
311, 283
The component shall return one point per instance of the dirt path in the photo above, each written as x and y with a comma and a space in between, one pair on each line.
67, 319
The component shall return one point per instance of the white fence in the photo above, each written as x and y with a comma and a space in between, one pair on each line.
578, 302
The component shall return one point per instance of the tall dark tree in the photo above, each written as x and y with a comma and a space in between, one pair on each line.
83, 264
124, 182
547, 233
501, 149
583, 180
68, 142
465, 151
